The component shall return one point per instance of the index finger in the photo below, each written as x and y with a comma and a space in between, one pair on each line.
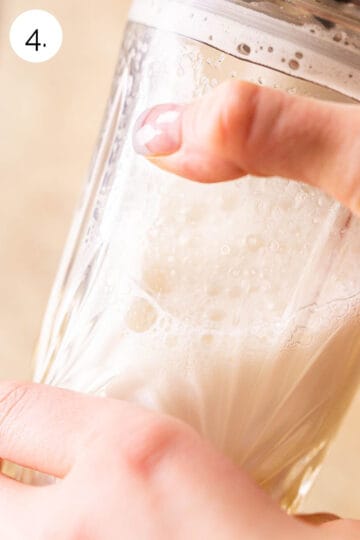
46, 428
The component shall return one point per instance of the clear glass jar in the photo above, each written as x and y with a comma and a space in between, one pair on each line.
235, 306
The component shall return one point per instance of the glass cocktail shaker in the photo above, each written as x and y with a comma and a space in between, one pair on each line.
234, 306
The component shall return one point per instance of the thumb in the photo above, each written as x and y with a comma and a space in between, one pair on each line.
241, 128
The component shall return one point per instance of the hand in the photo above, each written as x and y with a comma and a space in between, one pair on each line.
127, 473
241, 128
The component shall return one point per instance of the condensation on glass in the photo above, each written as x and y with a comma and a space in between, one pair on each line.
233, 306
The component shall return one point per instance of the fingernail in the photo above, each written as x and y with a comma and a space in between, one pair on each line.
158, 131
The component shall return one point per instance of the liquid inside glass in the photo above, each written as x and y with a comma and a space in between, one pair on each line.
233, 306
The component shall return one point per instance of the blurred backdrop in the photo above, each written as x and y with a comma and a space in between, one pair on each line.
50, 116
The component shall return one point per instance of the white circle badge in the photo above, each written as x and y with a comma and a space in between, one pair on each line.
36, 36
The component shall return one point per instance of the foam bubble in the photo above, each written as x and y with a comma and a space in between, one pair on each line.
141, 316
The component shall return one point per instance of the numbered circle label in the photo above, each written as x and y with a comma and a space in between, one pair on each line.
36, 36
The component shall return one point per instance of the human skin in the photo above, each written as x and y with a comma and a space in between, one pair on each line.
241, 128
128, 473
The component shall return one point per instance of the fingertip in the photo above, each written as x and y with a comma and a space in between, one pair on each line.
157, 131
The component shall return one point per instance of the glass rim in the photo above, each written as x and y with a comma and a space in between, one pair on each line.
330, 55
326, 13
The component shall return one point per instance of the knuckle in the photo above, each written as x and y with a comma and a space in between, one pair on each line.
80, 530
240, 105
247, 118
250, 117
75, 529
220, 114
78, 522
151, 442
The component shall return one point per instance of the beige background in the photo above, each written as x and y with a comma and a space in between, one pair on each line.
49, 119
